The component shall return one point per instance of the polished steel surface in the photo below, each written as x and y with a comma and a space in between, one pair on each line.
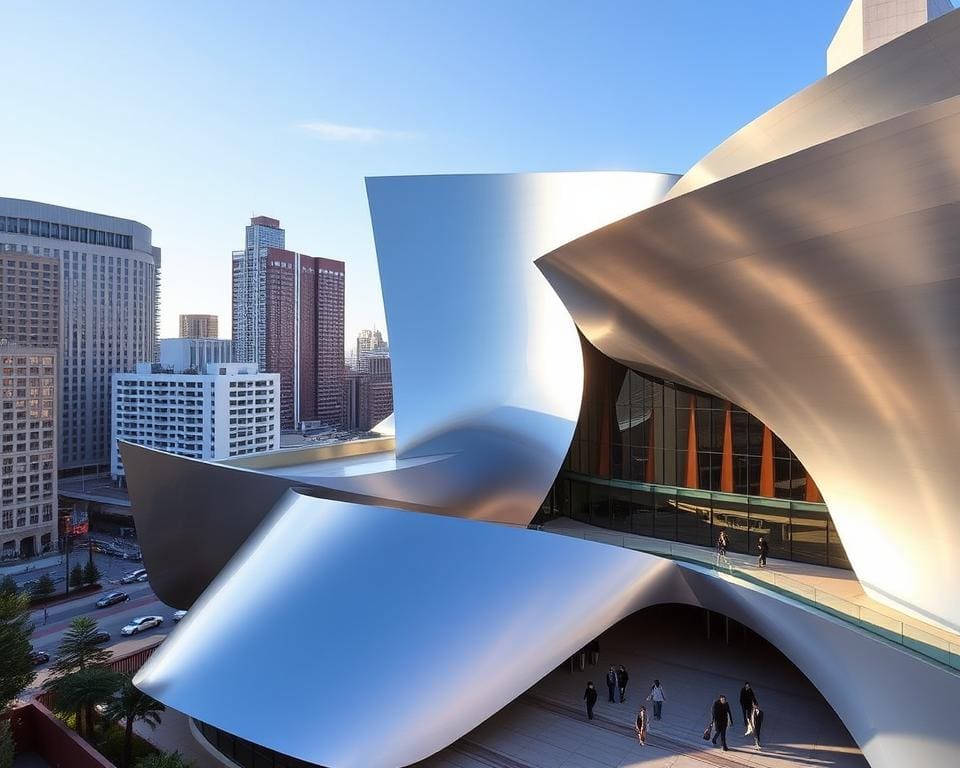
913, 70
487, 373
419, 627
819, 292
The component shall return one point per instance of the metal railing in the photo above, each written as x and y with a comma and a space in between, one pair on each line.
902, 633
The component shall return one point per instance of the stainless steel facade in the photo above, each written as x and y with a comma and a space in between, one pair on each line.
811, 277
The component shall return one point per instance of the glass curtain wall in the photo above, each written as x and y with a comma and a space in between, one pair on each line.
652, 457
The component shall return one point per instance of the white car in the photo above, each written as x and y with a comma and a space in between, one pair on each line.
177, 615
141, 624
138, 575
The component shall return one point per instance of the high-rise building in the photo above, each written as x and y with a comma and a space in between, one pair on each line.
198, 326
368, 342
29, 345
194, 354
250, 289
368, 395
304, 335
109, 285
215, 411
868, 24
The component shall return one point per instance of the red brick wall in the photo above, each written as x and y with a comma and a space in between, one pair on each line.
36, 729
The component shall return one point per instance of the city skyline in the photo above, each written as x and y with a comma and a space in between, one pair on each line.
330, 112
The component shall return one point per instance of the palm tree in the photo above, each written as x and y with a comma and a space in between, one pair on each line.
132, 704
78, 649
164, 760
82, 690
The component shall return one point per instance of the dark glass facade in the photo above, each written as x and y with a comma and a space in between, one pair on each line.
246, 753
655, 458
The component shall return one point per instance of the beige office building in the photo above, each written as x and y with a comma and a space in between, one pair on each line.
198, 327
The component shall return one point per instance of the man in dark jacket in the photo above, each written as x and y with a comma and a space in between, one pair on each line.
612, 682
590, 696
763, 548
622, 678
722, 718
747, 699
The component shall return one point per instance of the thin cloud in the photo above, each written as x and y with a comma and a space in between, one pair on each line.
355, 133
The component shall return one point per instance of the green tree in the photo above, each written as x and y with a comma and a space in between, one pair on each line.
6, 745
129, 705
164, 760
76, 576
78, 649
8, 586
16, 668
43, 588
79, 692
90, 573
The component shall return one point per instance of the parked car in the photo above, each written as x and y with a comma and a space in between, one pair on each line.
101, 637
134, 576
141, 624
177, 615
135, 556
112, 599
39, 657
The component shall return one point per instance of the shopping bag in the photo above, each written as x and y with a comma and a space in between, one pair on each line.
706, 732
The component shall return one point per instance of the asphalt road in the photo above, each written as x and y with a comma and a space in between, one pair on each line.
142, 602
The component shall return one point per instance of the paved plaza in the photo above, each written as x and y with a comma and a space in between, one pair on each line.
547, 727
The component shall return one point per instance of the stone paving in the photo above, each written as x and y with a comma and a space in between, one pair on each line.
547, 727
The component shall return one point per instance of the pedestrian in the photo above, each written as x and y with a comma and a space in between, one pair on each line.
590, 696
44, 615
756, 721
622, 678
748, 698
595, 652
722, 547
657, 696
721, 721
612, 682
763, 548
641, 726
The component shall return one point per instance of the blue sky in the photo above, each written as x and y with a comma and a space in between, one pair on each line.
190, 117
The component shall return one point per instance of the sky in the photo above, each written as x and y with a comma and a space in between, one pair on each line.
192, 116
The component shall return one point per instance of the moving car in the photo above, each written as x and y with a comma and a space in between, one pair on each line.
112, 599
134, 576
38, 657
141, 624
177, 615
101, 637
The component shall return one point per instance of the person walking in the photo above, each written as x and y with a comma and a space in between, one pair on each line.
612, 682
763, 548
721, 721
722, 547
641, 726
657, 696
756, 721
590, 696
622, 678
594, 652
748, 698
44, 615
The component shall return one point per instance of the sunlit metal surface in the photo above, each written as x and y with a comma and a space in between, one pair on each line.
819, 292
913, 70
487, 373
455, 618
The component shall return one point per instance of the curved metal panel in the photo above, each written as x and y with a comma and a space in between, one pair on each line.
474, 613
820, 293
486, 361
916, 69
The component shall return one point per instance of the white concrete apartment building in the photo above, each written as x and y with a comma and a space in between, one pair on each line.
220, 411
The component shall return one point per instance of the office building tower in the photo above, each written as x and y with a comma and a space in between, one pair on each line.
249, 289
368, 395
216, 410
29, 341
109, 275
368, 342
198, 326
304, 336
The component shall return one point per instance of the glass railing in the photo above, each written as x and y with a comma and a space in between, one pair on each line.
908, 635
